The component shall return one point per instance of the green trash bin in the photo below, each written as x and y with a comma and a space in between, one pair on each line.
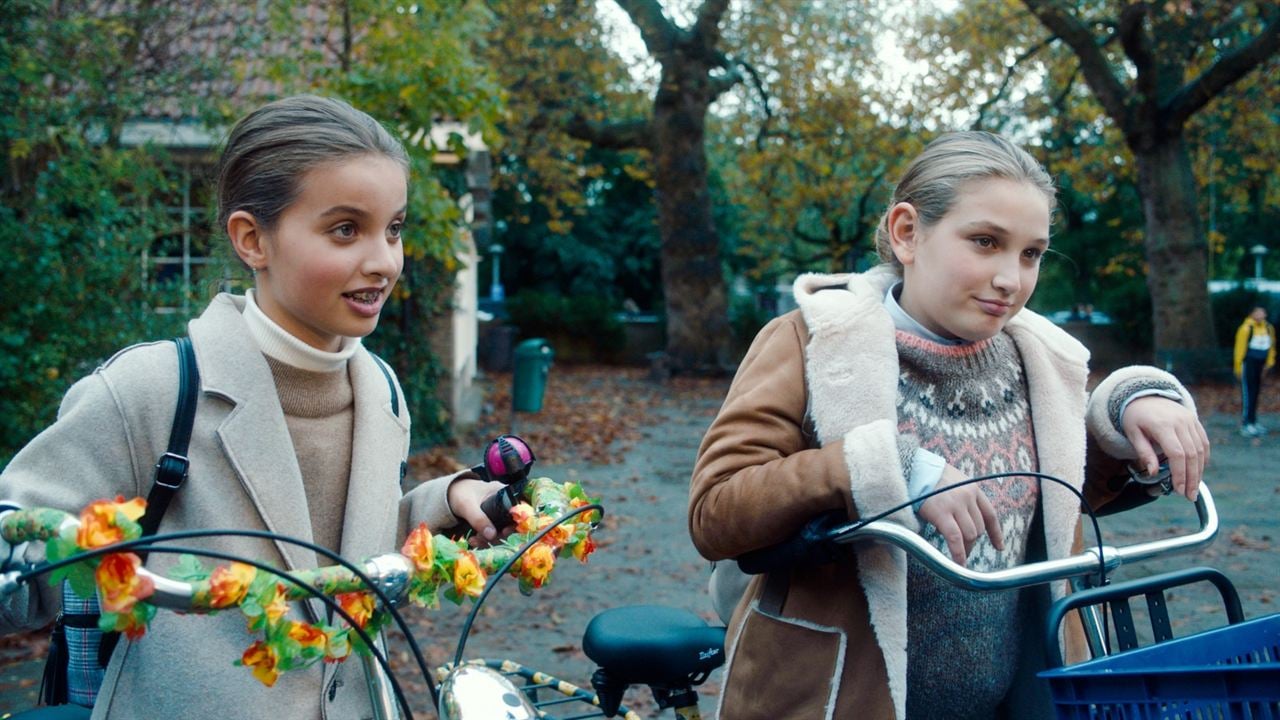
529, 380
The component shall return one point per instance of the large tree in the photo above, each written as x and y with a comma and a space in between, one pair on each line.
1174, 58
812, 165
694, 71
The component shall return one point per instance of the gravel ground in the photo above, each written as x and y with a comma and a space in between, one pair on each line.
641, 440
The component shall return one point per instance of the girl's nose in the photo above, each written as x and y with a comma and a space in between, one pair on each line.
1008, 277
384, 259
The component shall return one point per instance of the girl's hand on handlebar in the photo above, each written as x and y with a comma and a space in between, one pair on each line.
1155, 422
465, 496
961, 515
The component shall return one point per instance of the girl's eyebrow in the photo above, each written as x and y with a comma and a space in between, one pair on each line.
986, 225
995, 229
343, 210
352, 210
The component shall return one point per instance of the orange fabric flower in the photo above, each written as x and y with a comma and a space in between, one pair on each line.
584, 548
98, 522
525, 517
119, 585
586, 517
262, 658
418, 548
132, 627
536, 564
559, 535
468, 578
359, 605
307, 635
229, 584
278, 605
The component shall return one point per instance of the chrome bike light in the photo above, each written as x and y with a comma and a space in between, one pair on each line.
473, 692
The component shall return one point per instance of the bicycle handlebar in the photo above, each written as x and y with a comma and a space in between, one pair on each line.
99, 550
823, 531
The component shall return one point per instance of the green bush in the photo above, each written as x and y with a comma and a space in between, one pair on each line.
72, 283
402, 339
588, 319
746, 317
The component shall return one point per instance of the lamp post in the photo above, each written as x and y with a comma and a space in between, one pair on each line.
496, 292
1257, 251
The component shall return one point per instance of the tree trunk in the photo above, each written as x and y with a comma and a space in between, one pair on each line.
698, 335
1177, 259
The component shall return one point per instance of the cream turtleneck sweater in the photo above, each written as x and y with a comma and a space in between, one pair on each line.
316, 396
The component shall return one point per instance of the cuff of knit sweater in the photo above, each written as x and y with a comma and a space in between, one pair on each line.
1111, 397
873, 456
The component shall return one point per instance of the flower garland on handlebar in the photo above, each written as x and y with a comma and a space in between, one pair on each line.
441, 566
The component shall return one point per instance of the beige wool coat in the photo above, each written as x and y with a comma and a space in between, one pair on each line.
111, 428
811, 416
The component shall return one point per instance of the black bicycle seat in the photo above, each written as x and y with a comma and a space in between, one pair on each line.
654, 645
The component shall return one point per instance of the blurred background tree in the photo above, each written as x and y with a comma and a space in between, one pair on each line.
79, 208
1152, 67
84, 206
647, 155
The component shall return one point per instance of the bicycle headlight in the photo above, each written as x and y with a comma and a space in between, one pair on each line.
473, 692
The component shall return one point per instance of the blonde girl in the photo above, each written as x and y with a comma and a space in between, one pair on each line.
884, 385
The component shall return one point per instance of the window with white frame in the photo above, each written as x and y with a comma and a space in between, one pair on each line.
178, 270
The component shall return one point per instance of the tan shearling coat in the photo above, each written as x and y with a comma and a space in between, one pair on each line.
810, 425
111, 428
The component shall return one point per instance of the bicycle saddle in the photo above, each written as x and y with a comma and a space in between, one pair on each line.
654, 645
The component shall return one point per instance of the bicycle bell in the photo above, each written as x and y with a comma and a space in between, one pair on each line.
475, 692
507, 460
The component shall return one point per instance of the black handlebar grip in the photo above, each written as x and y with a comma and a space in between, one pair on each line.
497, 507
811, 546
773, 558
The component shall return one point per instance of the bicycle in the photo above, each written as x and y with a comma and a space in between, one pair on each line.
671, 650
365, 597
1228, 673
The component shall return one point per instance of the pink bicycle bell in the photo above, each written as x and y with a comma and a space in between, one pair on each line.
508, 459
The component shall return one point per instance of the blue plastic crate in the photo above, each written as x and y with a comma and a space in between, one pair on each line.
1231, 673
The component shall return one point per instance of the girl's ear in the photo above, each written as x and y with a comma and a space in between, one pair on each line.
247, 239
904, 232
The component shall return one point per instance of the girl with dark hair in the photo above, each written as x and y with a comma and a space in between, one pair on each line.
295, 431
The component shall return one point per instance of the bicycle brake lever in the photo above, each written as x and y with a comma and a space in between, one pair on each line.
1163, 478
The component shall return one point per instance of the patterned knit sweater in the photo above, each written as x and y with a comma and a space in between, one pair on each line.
968, 404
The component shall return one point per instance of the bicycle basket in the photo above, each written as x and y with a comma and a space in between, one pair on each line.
1230, 673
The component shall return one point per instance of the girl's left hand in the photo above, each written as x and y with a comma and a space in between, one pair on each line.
1155, 422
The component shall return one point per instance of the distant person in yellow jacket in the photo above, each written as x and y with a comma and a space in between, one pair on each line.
1255, 353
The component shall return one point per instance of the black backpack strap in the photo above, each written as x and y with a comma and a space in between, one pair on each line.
395, 402
391, 383
171, 468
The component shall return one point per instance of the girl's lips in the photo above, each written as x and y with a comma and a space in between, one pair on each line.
994, 307
366, 302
